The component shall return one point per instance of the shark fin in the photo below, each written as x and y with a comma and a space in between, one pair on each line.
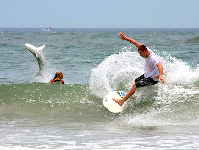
38, 74
41, 48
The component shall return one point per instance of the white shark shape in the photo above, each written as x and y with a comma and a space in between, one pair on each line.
37, 52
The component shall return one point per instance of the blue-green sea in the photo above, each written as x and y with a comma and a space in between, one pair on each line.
35, 114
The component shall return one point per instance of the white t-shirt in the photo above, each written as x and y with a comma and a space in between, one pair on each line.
150, 68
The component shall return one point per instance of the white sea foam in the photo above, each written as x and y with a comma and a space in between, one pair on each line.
124, 67
178, 91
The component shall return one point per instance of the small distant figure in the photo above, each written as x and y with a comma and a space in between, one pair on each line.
58, 78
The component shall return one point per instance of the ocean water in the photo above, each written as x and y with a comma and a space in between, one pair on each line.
37, 115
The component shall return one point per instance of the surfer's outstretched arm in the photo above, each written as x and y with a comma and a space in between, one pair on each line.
124, 37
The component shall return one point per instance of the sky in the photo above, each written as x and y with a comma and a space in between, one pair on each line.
99, 13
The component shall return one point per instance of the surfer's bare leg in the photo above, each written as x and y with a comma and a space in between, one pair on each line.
130, 93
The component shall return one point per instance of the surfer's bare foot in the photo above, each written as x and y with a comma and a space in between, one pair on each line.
119, 101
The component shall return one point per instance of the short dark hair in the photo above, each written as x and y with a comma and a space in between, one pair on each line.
142, 48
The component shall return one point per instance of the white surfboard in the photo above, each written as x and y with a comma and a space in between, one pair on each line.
112, 105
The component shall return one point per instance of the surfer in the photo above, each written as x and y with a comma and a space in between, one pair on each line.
152, 67
58, 78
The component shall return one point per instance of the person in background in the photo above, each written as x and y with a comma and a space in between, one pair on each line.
58, 78
152, 67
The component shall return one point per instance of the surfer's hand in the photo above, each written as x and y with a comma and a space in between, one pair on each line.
122, 36
119, 101
161, 79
